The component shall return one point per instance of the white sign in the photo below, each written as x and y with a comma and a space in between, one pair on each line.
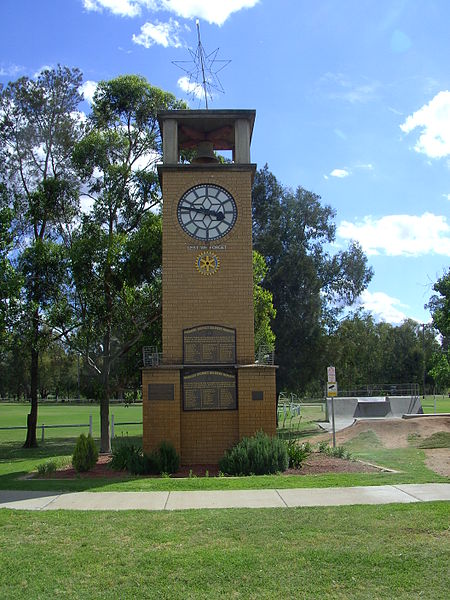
331, 389
331, 375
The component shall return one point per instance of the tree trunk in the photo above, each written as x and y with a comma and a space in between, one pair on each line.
31, 441
105, 441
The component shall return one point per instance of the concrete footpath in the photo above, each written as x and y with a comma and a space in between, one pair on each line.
284, 498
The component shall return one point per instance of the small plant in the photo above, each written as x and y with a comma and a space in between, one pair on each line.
338, 452
297, 453
85, 454
169, 461
121, 455
206, 473
162, 460
323, 447
259, 455
47, 468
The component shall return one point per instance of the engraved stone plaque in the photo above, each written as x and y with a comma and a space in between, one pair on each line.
209, 390
209, 344
161, 391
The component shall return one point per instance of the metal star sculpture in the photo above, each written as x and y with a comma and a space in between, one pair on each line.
203, 78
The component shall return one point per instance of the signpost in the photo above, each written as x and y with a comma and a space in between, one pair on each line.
332, 393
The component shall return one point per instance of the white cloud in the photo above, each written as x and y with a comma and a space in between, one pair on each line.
446, 196
165, 34
87, 90
383, 307
123, 8
400, 235
340, 173
212, 11
190, 87
11, 70
433, 119
340, 87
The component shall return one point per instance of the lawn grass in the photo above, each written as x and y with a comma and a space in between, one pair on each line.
442, 404
17, 462
15, 415
362, 552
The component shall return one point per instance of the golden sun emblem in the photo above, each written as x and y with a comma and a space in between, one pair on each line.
207, 263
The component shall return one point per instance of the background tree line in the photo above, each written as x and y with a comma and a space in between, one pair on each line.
80, 255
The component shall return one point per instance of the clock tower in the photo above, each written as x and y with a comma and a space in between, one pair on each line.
205, 391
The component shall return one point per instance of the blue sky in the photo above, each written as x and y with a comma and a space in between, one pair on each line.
352, 100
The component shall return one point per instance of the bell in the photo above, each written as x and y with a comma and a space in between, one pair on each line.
205, 153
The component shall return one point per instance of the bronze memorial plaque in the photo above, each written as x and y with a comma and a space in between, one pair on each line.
209, 345
209, 390
161, 391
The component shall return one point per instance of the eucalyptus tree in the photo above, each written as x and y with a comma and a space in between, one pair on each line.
439, 306
311, 285
39, 125
117, 250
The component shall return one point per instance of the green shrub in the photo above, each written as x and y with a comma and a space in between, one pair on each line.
169, 461
163, 460
257, 455
323, 447
297, 453
85, 454
47, 468
121, 455
144, 464
338, 452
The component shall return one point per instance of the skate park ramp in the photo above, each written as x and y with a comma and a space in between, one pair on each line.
348, 409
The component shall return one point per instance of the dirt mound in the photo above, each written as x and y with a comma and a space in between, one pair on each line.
392, 433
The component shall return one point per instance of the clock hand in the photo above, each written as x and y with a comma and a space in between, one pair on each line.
206, 211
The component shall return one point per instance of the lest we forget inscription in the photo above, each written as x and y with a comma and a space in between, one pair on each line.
209, 345
209, 390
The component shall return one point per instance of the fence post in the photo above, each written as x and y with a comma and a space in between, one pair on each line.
112, 427
43, 428
90, 425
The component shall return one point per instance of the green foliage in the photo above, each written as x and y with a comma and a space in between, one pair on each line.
257, 455
127, 456
168, 459
310, 286
440, 371
264, 312
47, 468
116, 253
439, 305
85, 454
338, 451
366, 352
297, 453
122, 454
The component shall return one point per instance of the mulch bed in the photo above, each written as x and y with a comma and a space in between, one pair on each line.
315, 464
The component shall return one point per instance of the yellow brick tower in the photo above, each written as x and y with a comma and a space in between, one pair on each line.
205, 391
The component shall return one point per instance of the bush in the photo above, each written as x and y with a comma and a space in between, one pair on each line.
85, 454
163, 460
168, 459
121, 455
47, 468
297, 453
338, 452
257, 455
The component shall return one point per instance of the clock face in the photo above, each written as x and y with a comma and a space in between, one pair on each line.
207, 212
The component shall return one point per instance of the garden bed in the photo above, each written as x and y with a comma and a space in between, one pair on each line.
315, 464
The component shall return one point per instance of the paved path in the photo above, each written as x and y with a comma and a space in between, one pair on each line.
383, 494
